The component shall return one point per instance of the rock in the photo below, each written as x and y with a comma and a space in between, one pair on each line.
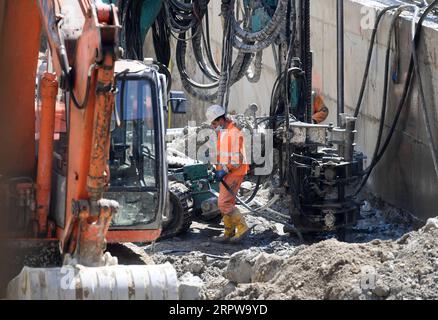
425, 271
387, 256
431, 224
266, 267
210, 261
356, 291
366, 207
190, 287
381, 290
246, 188
389, 265
229, 288
194, 267
221, 264
404, 239
239, 269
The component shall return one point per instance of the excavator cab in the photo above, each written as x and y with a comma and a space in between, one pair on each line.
137, 158
137, 164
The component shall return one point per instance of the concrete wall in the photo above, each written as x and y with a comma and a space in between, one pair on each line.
405, 177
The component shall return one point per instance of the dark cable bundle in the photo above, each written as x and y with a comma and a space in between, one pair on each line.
161, 38
413, 64
183, 16
189, 16
131, 38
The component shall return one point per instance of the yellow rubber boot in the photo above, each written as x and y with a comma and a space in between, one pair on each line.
242, 228
229, 230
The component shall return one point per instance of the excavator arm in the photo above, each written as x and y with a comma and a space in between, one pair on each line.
20, 28
83, 39
83, 42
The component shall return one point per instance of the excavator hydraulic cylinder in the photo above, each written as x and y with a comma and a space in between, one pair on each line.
48, 93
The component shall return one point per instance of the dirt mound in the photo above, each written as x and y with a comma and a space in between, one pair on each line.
402, 269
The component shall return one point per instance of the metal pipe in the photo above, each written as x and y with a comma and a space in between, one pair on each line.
340, 57
49, 90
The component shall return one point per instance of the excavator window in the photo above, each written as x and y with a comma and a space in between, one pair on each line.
133, 168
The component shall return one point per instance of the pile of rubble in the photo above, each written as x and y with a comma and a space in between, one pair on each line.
403, 269
406, 268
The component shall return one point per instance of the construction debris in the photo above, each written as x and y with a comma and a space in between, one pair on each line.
190, 287
381, 259
403, 269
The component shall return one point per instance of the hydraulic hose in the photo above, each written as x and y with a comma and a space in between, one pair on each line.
268, 31
403, 100
200, 58
370, 54
431, 142
256, 212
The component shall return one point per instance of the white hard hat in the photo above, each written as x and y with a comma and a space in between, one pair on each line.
214, 112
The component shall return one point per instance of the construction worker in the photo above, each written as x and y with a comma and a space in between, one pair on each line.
231, 168
320, 111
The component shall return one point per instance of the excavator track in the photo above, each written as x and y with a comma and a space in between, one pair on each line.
181, 208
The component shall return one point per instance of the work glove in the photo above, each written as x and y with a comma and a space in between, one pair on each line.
220, 175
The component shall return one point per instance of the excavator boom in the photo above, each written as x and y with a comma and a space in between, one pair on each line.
20, 27
83, 43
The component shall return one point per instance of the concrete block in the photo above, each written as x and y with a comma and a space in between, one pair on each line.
266, 267
432, 224
190, 287
239, 269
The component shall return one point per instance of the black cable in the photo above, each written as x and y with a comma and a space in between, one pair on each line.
424, 108
402, 102
199, 55
256, 190
207, 43
385, 85
163, 69
132, 42
161, 38
370, 54
83, 103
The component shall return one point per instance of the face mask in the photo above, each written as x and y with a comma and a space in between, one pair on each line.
218, 129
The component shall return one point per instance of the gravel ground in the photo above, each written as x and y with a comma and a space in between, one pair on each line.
381, 258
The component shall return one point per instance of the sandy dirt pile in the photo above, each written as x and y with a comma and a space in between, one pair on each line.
403, 269
270, 264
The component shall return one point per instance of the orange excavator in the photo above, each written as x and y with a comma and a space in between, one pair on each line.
86, 172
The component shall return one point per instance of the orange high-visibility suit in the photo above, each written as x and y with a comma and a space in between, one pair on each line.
230, 157
320, 111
